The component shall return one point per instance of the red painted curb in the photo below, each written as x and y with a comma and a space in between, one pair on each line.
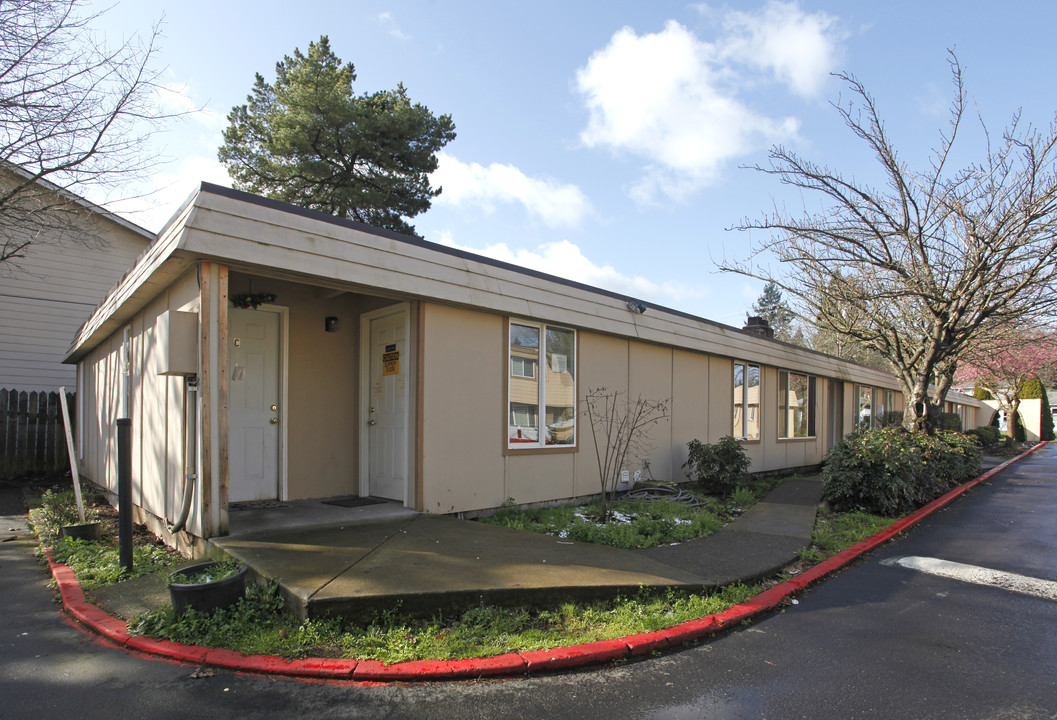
646, 643
165, 648
508, 665
511, 664
575, 655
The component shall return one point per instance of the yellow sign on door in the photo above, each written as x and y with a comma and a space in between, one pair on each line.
391, 363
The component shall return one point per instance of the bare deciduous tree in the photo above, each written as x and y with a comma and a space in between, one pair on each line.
73, 116
620, 431
917, 270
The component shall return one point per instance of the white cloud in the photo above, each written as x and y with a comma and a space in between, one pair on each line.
800, 49
387, 20
152, 205
565, 259
556, 204
674, 100
176, 98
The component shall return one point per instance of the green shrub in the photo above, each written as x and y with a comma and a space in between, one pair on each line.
987, 436
889, 471
891, 418
720, 467
1033, 389
951, 422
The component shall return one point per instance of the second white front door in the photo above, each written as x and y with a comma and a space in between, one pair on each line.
387, 404
253, 405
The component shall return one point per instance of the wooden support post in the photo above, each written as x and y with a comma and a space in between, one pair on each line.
213, 314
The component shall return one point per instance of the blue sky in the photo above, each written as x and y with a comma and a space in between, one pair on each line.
606, 141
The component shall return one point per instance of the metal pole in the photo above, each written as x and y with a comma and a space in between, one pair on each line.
124, 492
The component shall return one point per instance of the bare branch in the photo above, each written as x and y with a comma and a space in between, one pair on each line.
917, 270
73, 112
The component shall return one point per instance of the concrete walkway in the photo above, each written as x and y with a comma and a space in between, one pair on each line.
429, 563
763, 528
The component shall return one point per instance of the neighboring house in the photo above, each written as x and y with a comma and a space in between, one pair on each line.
48, 294
297, 355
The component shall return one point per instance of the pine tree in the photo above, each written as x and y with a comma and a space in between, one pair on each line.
307, 139
771, 307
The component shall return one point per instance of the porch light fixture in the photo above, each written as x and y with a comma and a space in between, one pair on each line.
252, 300
331, 323
636, 307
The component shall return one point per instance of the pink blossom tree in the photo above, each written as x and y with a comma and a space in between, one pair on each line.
1002, 363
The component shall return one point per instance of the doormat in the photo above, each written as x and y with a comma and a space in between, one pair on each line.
353, 501
258, 505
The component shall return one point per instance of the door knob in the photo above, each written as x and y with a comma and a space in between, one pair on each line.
274, 421
372, 421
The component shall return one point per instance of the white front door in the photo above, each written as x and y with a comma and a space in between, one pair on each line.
387, 403
253, 405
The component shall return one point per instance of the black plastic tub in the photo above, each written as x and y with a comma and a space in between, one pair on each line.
206, 596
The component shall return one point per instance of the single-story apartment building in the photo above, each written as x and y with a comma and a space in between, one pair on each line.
267, 352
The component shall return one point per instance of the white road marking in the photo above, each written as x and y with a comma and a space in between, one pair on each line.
1036, 587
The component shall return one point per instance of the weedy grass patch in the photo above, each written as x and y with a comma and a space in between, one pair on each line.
835, 532
98, 563
636, 522
257, 624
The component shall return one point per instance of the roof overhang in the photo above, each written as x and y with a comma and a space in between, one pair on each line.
258, 235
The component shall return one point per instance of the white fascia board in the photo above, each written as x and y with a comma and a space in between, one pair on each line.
252, 235
157, 268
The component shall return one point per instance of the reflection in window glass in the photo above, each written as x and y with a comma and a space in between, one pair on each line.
864, 408
746, 401
560, 387
542, 368
739, 400
796, 405
524, 384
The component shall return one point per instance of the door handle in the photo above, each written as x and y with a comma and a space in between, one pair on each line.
372, 421
274, 421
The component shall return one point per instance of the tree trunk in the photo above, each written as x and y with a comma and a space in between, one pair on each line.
918, 413
1011, 420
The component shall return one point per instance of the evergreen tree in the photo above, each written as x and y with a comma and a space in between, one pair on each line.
771, 307
307, 139
1034, 389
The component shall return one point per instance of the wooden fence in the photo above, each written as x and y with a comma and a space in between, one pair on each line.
32, 436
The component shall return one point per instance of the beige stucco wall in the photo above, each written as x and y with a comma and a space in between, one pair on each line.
323, 376
463, 356
323, 379
465, 463
155, 409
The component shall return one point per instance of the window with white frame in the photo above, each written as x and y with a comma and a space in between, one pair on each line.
796, 405
522, 367
542, 361
864, 407
746, 424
